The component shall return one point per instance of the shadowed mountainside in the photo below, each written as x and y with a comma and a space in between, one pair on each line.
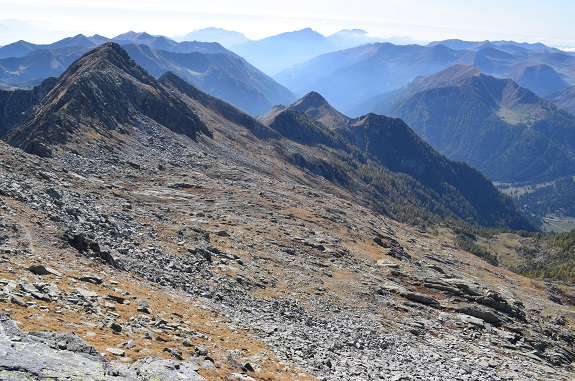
506, 131
453, 188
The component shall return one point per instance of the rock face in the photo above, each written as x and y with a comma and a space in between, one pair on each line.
15, 106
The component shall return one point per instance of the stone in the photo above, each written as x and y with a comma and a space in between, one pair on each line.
117, 328
86, 294
116, 298
153, 368
9, 329
442, 286
177, 354
241, 377
143, 306
472, 320
248, 367
18, 301
116, 351
26, 359
94, 279
480, 313
39, 270
421, 298
201, 350
388, 264
130, 344
28, 288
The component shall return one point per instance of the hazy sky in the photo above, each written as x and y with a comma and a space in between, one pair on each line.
549, 21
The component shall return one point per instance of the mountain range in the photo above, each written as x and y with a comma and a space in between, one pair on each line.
493, 124
149, 230
207, 65
223, 37
388, 142
371, 152
506, 131
276, 53
352, 76
352, 79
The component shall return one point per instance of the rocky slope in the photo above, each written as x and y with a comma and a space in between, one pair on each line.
232, 264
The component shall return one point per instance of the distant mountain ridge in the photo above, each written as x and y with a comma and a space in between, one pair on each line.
457, 44
276, 53
273, 54
345, 77
348, 77
208, 65
223, 37
506, 131
352, 76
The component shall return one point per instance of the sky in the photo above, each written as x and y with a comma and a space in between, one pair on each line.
550, 21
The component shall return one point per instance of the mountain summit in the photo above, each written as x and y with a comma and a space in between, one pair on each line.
103, 91
318, 108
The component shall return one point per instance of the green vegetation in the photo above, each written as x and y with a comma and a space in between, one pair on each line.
556, 196
463, 123
465, 240
549, 257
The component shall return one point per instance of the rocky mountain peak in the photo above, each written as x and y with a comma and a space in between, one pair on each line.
106, 57
312, 99
316, 106
103, 91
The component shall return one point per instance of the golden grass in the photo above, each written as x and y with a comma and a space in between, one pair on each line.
198, 323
